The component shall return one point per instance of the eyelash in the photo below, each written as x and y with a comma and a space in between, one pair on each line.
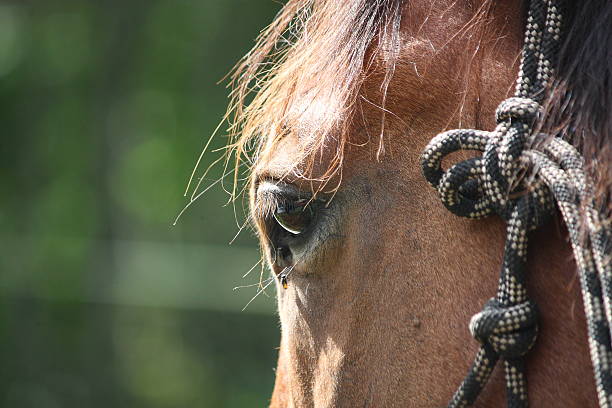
267, 205
282, 213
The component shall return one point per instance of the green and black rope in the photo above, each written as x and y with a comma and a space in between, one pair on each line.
495, 183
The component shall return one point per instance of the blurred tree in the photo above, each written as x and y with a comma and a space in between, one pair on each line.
104, 107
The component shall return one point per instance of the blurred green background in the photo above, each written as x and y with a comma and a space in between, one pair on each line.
104, 108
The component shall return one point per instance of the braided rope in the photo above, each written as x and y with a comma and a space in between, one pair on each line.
497, 183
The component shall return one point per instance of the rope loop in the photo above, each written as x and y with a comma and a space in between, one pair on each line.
524, 110
510, 330
479, 187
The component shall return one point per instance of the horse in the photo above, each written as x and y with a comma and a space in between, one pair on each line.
375, 280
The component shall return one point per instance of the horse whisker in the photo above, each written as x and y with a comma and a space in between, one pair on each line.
199, 195
252, 284
252, 267
257, 294
272, 279
197, 165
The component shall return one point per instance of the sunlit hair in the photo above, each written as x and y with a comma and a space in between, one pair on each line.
316, 51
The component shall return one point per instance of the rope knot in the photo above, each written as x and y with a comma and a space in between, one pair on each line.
524, 110
478, 187
510, 330
504, 162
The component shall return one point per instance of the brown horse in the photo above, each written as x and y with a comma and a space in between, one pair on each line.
377, 281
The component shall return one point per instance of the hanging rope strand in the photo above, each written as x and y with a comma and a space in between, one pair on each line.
495, 183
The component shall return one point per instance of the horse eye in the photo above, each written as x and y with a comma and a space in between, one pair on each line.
294, 218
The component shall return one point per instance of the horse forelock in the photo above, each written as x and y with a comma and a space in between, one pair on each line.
312, 58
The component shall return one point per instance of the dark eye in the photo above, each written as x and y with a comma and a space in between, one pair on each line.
294, 217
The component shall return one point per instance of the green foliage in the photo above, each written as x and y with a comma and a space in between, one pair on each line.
103, 302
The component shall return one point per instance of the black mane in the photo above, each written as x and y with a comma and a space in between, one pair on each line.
580, 104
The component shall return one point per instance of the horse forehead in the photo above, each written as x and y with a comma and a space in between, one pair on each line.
308, 111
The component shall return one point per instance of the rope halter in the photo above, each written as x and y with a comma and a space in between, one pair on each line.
520, 176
